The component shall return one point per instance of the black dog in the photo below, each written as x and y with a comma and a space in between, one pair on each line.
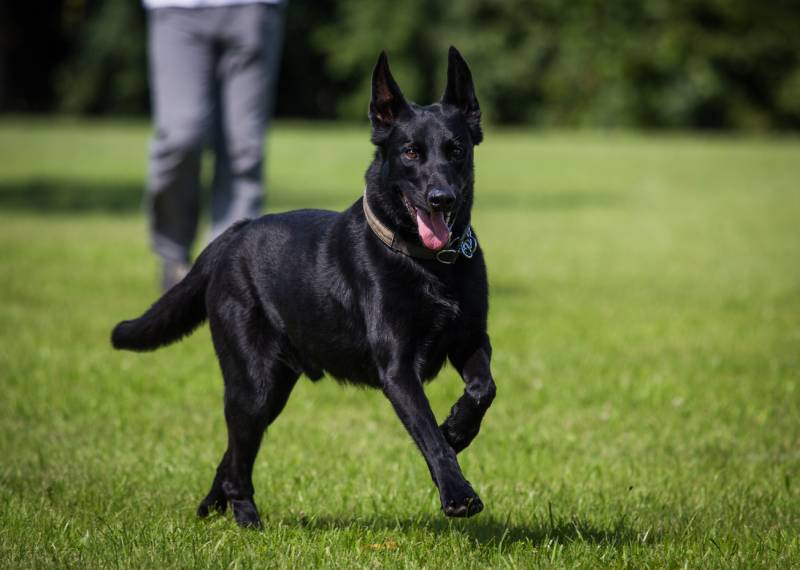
380, 294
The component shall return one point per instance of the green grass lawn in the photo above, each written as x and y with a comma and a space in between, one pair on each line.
645, 316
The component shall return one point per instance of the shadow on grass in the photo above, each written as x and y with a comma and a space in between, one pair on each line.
487, 531
55, 196
50, 196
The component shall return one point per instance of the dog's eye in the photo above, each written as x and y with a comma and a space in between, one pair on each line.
456, 152
411, 153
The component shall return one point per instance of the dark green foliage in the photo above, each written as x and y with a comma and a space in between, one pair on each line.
108, 73
732, 64
661, 63
304, 88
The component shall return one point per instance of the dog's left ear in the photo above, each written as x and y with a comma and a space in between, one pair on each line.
460, 92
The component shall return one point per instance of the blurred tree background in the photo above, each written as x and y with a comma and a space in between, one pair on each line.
712, 64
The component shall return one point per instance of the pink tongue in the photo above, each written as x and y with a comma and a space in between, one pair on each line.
433, 230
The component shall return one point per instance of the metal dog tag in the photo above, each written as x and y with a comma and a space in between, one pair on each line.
469, 244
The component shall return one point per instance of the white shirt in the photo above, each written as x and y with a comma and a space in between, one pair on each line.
152, 4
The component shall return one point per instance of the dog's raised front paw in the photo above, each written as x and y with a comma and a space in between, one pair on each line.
459, 439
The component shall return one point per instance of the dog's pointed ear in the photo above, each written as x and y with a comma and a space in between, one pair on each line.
460, 92
387, 102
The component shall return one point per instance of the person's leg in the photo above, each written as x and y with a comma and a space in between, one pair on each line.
181, 74
247, 71
222, 182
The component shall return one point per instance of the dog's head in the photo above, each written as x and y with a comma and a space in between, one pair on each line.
422, 176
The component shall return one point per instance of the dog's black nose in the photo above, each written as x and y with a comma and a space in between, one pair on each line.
441, 199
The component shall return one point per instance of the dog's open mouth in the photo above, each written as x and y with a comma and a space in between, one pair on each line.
433, 227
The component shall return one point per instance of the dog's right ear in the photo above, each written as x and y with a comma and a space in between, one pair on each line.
388, 103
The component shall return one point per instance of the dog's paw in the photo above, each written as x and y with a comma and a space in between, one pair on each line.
459, 439
461, 501
215, 502
246, 514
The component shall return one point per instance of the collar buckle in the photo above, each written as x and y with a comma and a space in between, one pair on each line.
465, 245
447, 256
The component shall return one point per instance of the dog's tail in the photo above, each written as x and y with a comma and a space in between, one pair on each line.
178, 312
175, 315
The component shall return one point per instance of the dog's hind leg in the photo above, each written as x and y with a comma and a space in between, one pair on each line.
464, 421
257, 386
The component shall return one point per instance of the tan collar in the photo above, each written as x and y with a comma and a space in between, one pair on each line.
464, 245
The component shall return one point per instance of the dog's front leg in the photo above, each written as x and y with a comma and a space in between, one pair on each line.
405, 392
464, 421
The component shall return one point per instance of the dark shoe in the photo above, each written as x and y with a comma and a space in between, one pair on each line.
173, 273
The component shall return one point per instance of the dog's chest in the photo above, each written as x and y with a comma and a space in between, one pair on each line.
431, 319
406, 315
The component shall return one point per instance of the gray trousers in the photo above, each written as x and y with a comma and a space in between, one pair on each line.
212, 78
